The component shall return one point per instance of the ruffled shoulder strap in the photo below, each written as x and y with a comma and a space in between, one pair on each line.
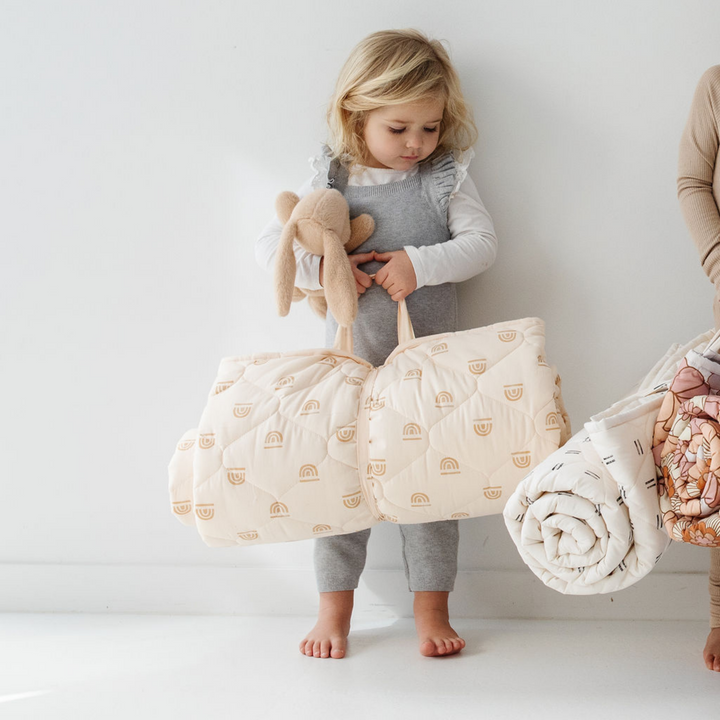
321, 165
461, 169
447, 173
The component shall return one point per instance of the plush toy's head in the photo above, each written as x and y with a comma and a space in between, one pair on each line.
321, 224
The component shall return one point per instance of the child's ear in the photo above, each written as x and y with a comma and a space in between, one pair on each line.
284, 205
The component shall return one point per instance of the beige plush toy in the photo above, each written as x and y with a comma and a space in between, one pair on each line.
321, 224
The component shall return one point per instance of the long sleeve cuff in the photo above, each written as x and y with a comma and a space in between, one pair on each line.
455, 260
416, 260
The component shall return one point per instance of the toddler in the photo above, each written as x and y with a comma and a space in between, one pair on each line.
400, 139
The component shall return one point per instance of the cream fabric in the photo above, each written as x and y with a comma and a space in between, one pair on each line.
317, 442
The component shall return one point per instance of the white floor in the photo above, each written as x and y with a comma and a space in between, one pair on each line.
215, 667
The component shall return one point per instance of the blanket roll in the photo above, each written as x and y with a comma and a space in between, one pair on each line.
586, 520
317, 442
687, 452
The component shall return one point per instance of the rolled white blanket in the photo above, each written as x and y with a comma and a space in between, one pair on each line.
586, 520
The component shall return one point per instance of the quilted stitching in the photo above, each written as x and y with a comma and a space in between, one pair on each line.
300, 445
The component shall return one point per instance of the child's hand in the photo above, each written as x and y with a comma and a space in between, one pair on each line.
362, 280
397, 276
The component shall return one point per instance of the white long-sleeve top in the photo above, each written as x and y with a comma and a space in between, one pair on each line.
471, 249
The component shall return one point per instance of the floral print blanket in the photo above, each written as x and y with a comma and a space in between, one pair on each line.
686, 450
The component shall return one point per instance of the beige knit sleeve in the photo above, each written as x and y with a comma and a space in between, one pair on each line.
698, 155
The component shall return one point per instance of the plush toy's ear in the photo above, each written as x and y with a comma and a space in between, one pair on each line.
284, 205
339, 281
361, 228
318, 305
285, 269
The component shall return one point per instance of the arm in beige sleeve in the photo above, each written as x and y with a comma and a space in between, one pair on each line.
696, 166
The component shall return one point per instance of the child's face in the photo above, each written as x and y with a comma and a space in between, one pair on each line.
400, 136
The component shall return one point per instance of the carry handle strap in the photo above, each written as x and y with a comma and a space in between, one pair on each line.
344, 336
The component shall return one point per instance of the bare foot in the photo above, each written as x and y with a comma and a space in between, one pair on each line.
329, 636
711, 653
432, 622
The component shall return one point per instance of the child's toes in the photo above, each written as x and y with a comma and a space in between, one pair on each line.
325, 648
716, 664
428, 648
338, 648
316, 648
302, 646
309, 648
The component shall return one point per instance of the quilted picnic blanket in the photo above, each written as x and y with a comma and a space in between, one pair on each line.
319, 442
586, 520
686, 448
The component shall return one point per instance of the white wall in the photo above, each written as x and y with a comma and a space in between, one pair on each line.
142, 146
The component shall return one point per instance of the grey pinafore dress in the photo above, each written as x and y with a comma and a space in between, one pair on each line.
408, 212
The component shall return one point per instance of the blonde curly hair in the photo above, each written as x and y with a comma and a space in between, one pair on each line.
394, 67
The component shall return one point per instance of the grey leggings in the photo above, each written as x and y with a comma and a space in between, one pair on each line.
429, 554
